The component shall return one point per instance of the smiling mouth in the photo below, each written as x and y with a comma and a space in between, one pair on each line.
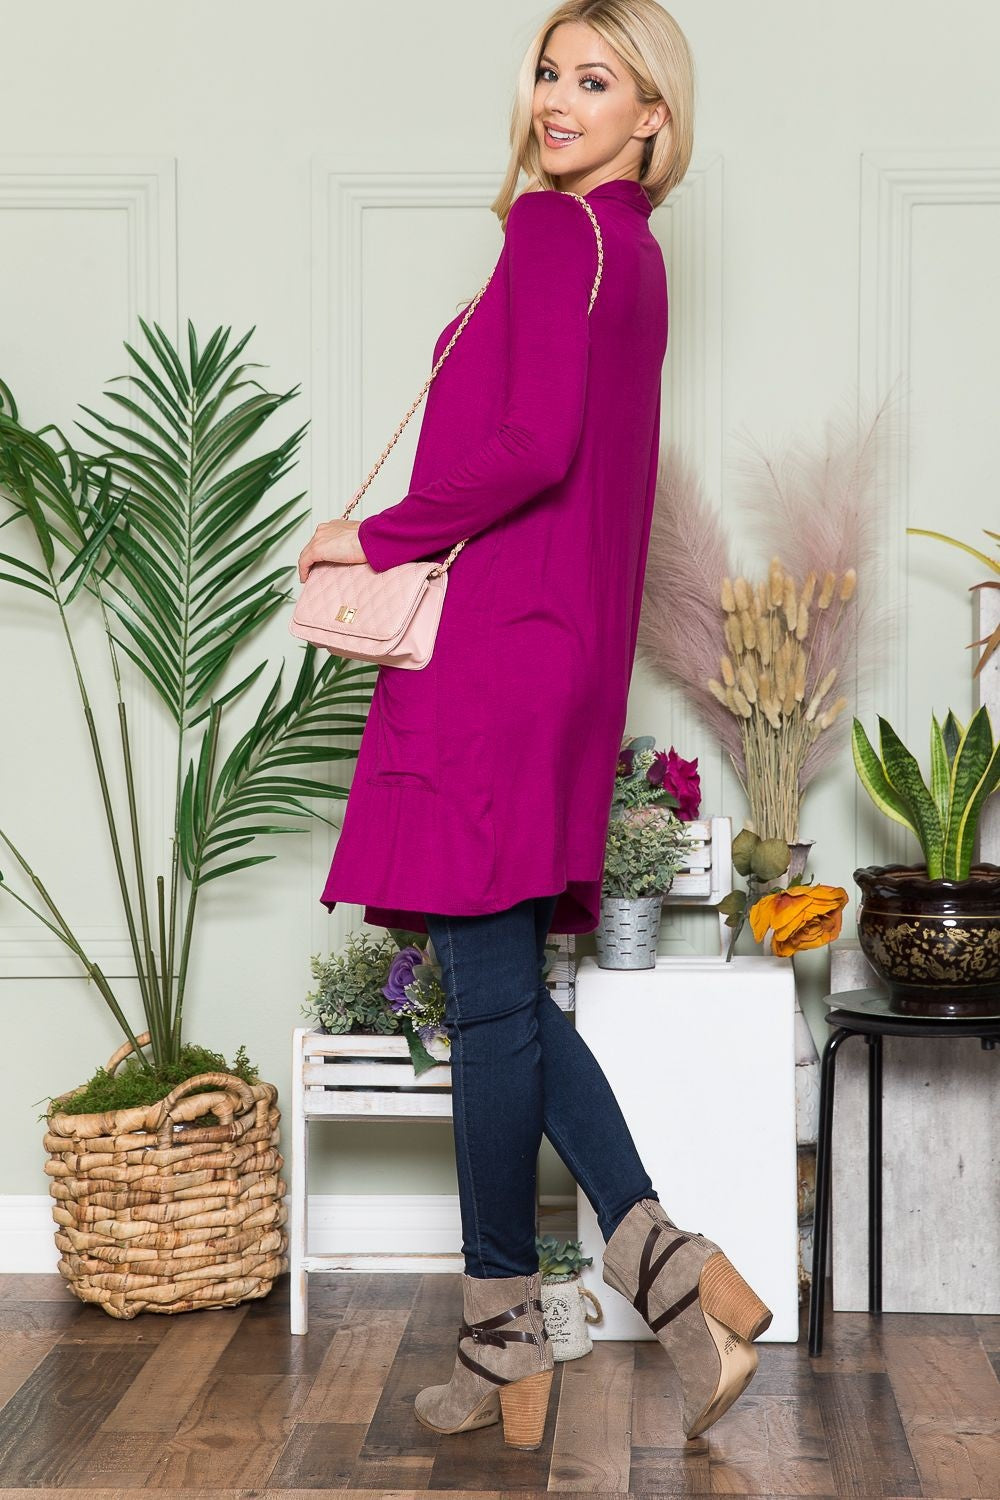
559, 137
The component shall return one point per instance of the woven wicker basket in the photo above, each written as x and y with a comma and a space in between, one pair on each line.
161, 1216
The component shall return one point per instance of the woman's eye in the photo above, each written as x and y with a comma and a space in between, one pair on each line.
587, 78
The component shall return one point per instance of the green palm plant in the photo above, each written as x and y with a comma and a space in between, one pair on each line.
965, 770
163, 529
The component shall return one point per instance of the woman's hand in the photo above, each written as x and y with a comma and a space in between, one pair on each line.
332, 541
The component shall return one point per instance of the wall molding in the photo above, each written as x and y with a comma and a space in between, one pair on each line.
142, 192
894, 185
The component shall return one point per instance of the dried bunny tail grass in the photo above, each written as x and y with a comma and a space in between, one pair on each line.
747, 683
728, 675
680, 625
748, 630
741, 592
828, 715
848, 584
733, 634
820, 693
800, 677
727, 596
776, 584
821, 505
802, 623
826, 592
764, 642
790, 603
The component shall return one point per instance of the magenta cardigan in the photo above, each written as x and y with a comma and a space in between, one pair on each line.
486, 777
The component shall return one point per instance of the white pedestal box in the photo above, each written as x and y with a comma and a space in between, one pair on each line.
701, 1056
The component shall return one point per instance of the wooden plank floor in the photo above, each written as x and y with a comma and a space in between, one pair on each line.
228, 1403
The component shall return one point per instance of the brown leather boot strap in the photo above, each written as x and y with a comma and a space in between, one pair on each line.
482, 1333
649, 1270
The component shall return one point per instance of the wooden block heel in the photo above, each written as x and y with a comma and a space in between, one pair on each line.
524, 1403
726, 1296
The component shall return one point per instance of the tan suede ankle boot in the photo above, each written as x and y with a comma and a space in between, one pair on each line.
503, 1366
695, 1301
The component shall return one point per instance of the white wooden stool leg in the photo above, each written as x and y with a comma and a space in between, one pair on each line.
299, 1226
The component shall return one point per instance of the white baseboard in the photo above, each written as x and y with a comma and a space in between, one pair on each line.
27, 1233
349, 1223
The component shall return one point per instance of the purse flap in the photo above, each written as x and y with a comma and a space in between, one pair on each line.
351, 599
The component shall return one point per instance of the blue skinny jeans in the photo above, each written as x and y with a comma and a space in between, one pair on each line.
519, 1068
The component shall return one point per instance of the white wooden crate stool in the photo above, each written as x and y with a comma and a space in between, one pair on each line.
708, 874
701, 1056
350, 1077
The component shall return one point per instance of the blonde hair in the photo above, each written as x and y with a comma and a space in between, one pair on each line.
655, 51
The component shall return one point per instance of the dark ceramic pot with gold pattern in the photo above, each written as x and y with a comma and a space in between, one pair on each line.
936, 943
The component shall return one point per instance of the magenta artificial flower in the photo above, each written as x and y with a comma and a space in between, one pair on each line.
626, 762
680, 777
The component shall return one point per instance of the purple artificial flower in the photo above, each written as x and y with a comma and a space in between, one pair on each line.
400, 975
680, 777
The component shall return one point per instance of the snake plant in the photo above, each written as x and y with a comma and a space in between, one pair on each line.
944, 815
164, 531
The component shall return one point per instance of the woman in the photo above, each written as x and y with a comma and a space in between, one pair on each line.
482, 791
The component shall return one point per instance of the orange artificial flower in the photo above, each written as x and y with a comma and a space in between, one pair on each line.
806, 916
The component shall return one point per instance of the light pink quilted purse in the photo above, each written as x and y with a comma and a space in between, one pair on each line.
390, 617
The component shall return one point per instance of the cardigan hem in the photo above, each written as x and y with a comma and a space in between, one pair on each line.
576, 911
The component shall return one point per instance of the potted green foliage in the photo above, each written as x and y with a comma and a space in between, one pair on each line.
385, 986
564, 1297
646, 844
162, 534
932, 930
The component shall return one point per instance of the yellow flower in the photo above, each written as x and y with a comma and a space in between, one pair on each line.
807, 916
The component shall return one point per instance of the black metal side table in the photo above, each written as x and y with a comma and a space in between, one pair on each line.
866, 1013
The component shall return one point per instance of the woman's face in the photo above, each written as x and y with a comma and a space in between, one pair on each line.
584, 92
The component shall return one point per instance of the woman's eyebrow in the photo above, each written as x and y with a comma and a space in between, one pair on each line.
545, 58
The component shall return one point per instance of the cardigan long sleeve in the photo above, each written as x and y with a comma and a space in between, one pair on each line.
551, 260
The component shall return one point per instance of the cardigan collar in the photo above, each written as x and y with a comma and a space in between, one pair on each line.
625, 190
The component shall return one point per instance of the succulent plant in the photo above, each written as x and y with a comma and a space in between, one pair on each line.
560, 1258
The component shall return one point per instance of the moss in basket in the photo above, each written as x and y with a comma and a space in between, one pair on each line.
132, 1084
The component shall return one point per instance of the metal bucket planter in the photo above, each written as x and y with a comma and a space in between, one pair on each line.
162, 1216
627, 932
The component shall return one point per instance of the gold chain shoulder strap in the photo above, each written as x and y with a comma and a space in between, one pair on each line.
444, 566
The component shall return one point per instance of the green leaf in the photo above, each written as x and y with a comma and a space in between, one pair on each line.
744, 844
873, 778
959, 863
770, 859
940, 772
952, 733
419, 1055
733, 904
903, 773
970, 773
